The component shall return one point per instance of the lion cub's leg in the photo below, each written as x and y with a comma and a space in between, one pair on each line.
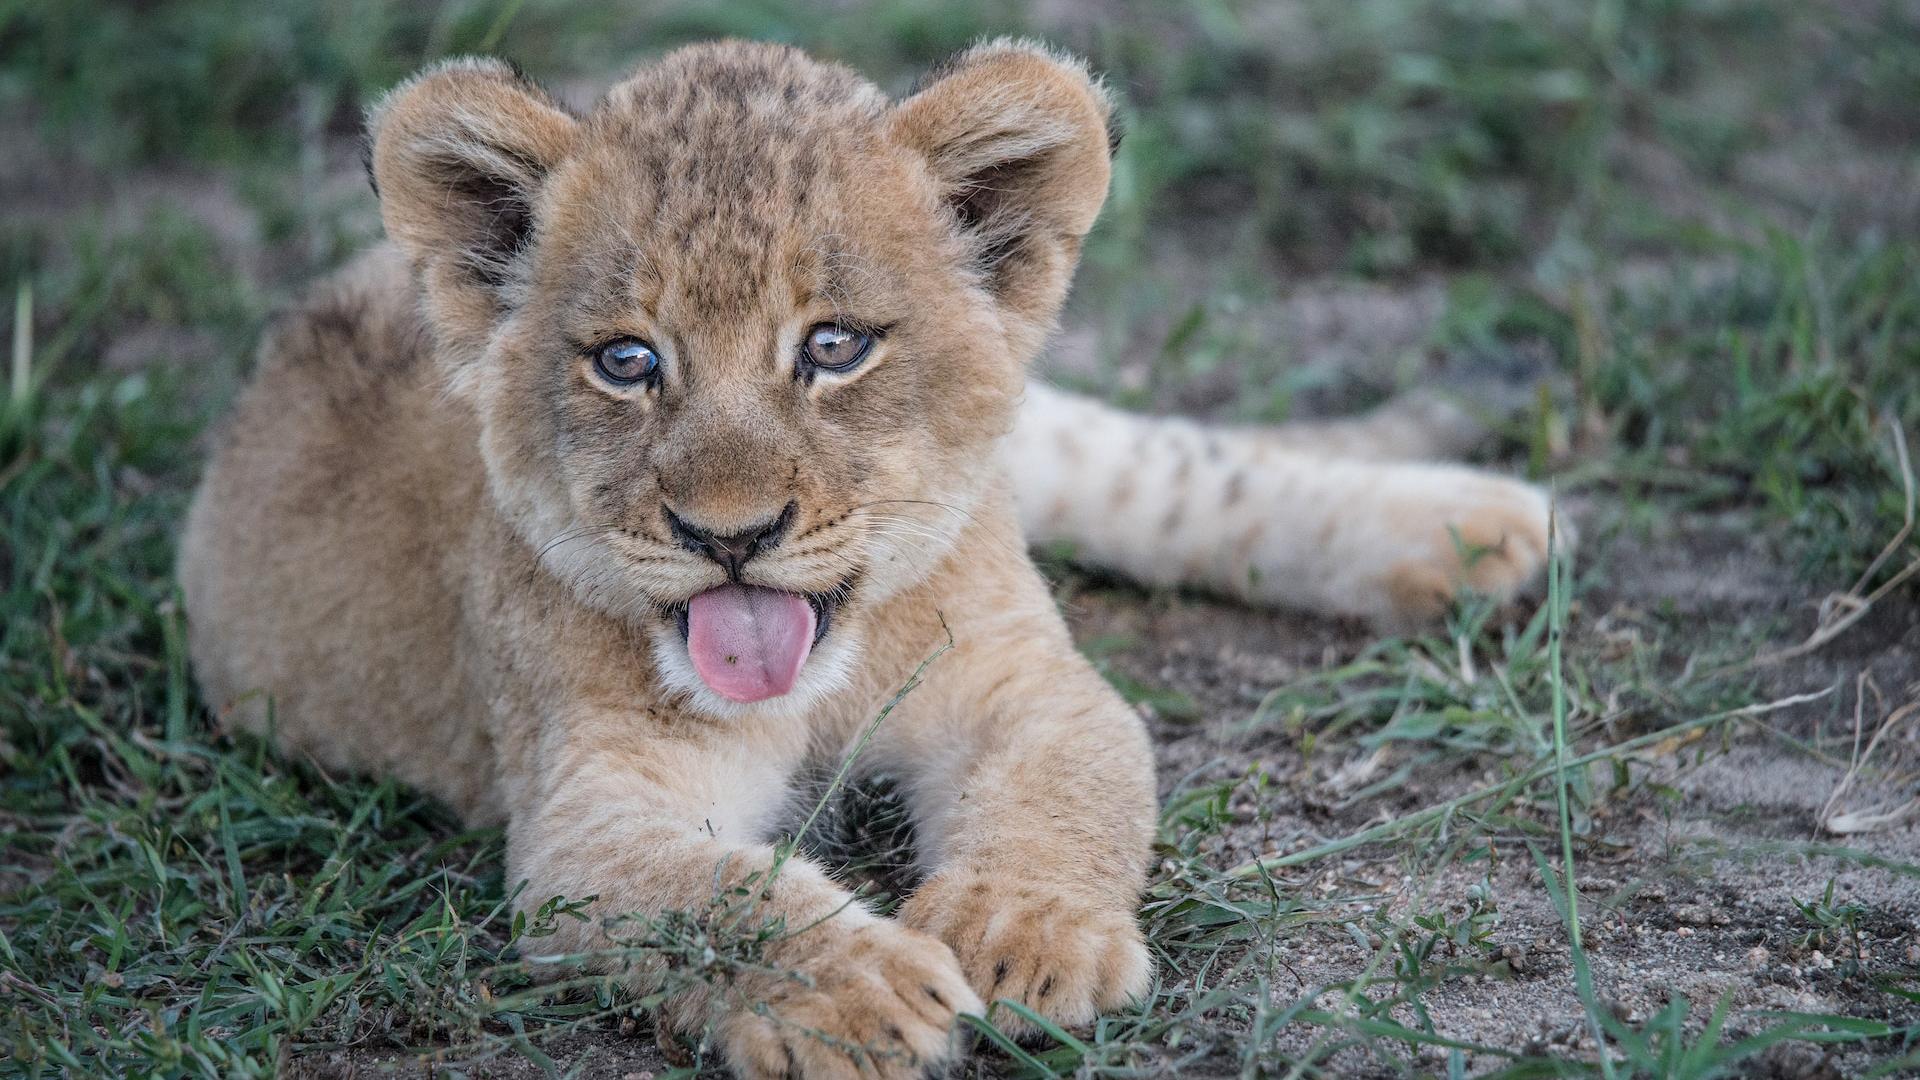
657, 826
1256, 515
1031, 785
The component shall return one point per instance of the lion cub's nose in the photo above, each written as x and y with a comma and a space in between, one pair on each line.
731, 550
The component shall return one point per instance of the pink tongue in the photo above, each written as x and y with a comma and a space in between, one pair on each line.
747, 642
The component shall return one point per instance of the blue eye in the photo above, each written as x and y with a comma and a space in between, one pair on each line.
836, 347
626, 361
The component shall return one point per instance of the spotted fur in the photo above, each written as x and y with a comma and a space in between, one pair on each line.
1357, 518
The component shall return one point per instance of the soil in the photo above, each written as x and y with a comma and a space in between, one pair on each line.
1674, 900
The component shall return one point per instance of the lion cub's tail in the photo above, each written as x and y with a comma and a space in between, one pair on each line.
1349, 517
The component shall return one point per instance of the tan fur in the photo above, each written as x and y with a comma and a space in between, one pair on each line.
433, 545
1338, 517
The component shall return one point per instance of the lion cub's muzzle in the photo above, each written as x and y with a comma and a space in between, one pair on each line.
748, 642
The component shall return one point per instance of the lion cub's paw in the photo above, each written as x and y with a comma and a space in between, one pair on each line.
1486, 534
876, 1000
1064, 957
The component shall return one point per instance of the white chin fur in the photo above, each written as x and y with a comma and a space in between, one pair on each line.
827, 671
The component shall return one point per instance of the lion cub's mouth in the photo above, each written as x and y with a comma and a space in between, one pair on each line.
749, 643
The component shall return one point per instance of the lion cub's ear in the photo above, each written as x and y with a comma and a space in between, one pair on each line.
458, 155
1018, 137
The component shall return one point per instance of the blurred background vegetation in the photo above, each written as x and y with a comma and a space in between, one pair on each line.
1690, 223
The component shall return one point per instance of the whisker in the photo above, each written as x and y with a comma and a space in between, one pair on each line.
581, 532
948, 507
576, 533
902, 530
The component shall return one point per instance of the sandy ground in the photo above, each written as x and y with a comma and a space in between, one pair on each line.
1663, 914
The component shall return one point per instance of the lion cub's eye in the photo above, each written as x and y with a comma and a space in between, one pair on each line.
625, 361
835, 347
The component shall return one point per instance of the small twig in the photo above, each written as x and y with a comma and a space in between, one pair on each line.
10, 981
785, 851
1858, 821
1906, 528
860, 744
1840, 611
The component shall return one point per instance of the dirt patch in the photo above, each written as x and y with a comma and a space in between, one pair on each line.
1693, 892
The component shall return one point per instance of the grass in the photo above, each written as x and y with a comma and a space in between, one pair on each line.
1605, 196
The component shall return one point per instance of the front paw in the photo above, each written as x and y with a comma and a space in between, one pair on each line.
877, 999
1055, 952
1478, 533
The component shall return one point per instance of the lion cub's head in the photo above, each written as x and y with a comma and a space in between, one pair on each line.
742, 338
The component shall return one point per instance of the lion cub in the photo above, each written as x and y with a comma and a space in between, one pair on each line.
662, 446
